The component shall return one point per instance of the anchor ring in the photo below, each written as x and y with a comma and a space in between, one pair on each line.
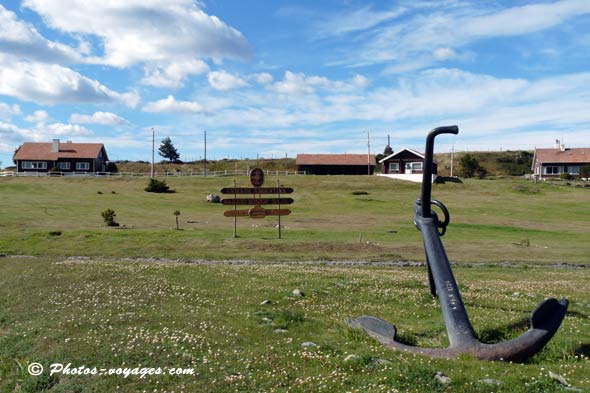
442, 226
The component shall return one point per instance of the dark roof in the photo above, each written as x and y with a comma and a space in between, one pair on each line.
42, 151
556, 156
334, 159
392, 155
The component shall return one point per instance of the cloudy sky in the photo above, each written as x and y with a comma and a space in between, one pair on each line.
287, 77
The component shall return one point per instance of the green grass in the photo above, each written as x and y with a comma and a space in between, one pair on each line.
491, 220
113, 313
72, 297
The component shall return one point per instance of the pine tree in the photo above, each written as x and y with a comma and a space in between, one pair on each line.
167, 150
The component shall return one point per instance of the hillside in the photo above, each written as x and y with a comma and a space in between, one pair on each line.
498, 163
506, 163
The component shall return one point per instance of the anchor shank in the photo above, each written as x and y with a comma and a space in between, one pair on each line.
459, 329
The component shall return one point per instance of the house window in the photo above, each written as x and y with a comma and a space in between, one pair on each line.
394, 167
34, 165
552, 170
416, 166
82, 166
64, 165
574, 170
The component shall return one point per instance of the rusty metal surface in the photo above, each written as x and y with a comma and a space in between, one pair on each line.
257, 201
257, 177
257, 190
257, 213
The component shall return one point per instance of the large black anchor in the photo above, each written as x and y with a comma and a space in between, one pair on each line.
544, 320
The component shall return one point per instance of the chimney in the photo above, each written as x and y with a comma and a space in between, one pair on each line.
557, 145
55, 147
562, 147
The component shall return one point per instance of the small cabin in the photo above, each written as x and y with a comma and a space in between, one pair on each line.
406, 164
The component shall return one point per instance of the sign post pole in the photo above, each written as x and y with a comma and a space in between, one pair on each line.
279, 188
235, 217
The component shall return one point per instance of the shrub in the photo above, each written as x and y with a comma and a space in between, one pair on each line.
109, 218
360, 193
159, 186
55, 233
469, 165
566, 176
111, 167
585, 171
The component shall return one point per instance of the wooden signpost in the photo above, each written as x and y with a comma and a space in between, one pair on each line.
254, 198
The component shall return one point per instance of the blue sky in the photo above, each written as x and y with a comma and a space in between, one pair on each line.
278, 78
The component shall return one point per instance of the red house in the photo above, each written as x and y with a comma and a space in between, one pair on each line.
336, 164
60, 157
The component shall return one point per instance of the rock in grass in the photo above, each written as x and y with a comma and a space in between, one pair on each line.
265, 302
280, 330
350, 358
382, 362
558, 378
298, 292
442, 378
489, 381
308, 344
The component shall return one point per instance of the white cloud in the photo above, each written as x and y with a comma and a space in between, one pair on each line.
38, 117
170, 104
173, 75
293, 83
263, 78
51, 84
300, 84
101, 118
434, 34
354, 21
23, 40
443, 53
7, 110
145, 31
222, 80
62, 129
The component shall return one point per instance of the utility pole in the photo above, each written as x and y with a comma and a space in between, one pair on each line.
368, 154
153, 147
205, 160
452, 154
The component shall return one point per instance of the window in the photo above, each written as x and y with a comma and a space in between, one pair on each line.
574, 170
552, 170
64, 165
394, 167
34, 165
416, 166
82, 166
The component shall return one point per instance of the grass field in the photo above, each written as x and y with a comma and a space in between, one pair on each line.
74, 291
491, 220
110, 313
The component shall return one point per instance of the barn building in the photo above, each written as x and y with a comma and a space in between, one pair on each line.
336, 164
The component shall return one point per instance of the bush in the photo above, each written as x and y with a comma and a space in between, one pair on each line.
159, 186
566, 176
470, 167
109, 218
111, 167
585, 171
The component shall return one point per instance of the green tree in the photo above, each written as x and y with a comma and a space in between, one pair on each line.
585, 171
469, 165
167, 150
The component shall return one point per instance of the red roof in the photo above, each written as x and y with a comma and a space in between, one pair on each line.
42, 151
334, 159
568, 156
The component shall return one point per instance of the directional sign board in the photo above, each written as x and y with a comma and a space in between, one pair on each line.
257, 213
257, 190
257, 201
253, 197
